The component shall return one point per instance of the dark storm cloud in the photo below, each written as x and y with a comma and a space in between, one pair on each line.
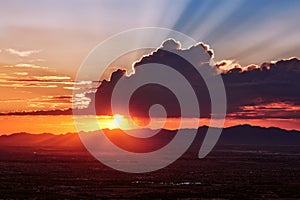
248, 88
169, 54
271, 83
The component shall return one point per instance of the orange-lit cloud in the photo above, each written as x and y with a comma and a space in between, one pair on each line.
227, 66
280, 110
30, 87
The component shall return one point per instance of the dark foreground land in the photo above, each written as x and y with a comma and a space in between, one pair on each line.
229, 172
247, 163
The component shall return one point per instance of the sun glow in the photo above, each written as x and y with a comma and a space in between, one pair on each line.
116, 121
118, 118
65, 123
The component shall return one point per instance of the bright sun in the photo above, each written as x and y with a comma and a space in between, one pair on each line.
118, 120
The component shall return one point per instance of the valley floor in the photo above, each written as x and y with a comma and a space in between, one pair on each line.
229, 172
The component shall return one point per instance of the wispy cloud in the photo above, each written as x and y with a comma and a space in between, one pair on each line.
21, 73
281, 110
22, 53
40, 103
31, 85
27, 65
50, 81
60, 86
52, 77
71, 88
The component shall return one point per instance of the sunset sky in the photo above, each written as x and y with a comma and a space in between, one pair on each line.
43, 44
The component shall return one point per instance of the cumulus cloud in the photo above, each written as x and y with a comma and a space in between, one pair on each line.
169, 54
228, 66
199, 53
258, 86
170, 45
22, 53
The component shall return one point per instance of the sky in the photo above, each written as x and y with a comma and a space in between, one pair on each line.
43, 43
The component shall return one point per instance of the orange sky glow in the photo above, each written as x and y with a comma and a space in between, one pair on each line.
64, 123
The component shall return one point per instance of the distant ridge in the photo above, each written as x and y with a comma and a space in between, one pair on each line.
44, 139
255, 135
235, 135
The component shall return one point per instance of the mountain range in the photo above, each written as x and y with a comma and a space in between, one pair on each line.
236, 135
